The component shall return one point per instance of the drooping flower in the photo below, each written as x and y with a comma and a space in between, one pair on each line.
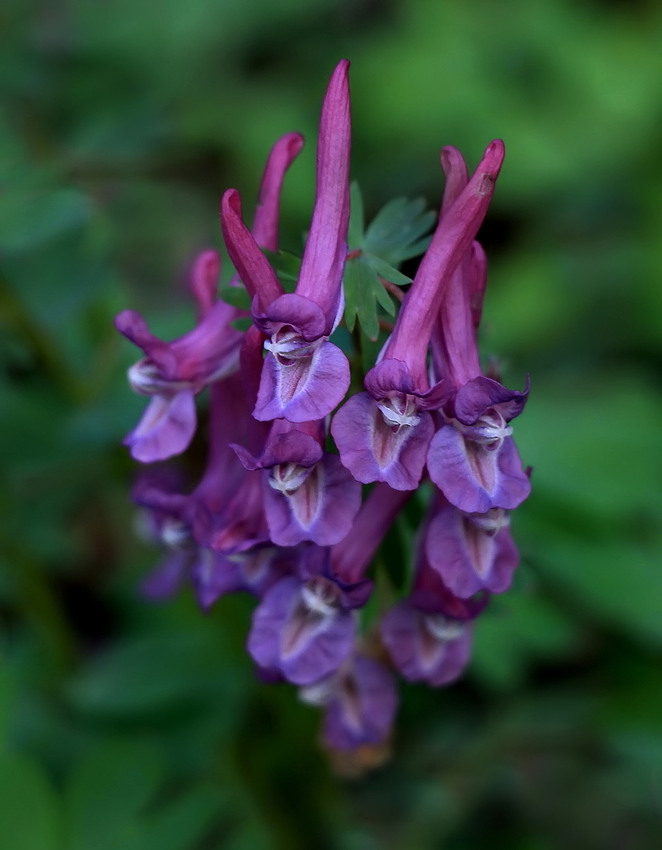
276, 512
472, 458
308, 494
171, 373
428, 635
471, 552
359, 702
304, 627
383, 434
304, 375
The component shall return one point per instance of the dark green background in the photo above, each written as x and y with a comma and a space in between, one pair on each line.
125, 725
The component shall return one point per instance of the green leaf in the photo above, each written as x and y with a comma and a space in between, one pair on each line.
29, 812
414, 249
351, 283
181, 823
366, 308
146, 673
363, 292
236, 296
6, 697
242, 324
396, 228
603, 436
515, 630
356, 220
383, 298
30, 220
387, 271
109, 789
614, 576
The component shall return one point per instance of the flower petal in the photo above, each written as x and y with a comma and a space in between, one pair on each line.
304, 645
372, 450
322, 509
475, 397
417, 652
166, 428
304, 389
361, 707
466, 557
473, 478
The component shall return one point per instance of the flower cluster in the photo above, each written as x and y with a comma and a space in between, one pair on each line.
296, 499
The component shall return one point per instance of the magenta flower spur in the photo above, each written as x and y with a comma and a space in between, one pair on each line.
304, 375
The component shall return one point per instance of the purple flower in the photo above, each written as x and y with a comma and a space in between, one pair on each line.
172, 373
359, 703
303, 629
426, 647
428, 635
304, 375
308, 494
227, 512
384, 433
471, 552
215, 574
472, 458
215, 534
164, 521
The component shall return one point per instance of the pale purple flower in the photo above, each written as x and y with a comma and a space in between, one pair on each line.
304, 627
426, 647
171, 373
164, 521
428, 635
471, 552
359, 702
384, 433
304, 375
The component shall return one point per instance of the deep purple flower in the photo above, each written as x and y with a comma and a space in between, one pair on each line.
227, 512
471, 552
216, 534
164, 521
472, 458
304, 375
359, 702
384, 433
308, 494
171, 373
215, 574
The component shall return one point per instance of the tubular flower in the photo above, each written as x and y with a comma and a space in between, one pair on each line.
384, 433
171, 373
304, 375
472, 457
279, 511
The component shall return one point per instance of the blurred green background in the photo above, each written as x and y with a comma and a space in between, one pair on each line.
141, 727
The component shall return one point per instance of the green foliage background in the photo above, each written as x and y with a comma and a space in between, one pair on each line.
124, 725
